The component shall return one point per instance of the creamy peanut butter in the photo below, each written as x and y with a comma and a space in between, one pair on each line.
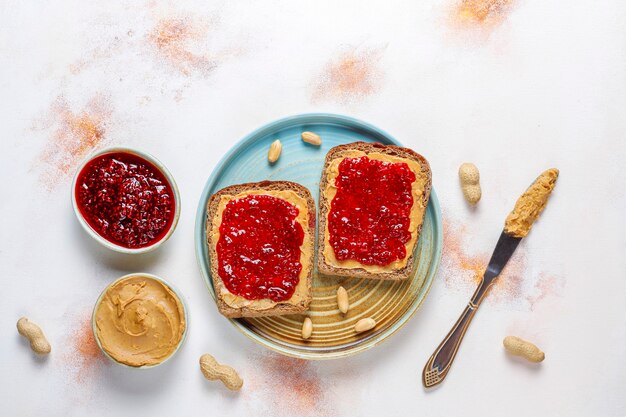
416, 215
140, 321
306, 249
530, 205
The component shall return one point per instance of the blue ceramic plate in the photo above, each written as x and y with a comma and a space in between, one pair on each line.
391, 304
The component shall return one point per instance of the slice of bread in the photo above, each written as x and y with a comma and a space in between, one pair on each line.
400, 269
231, 305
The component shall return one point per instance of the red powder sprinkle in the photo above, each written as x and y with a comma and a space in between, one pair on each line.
351, 76
84, 357
76, 134
456, 265
97, 54
288, 386
480, 13
546, 286
461, 269
176, 40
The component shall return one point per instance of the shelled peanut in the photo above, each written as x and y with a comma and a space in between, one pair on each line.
342, 300
364, 325
312, 138
274, 152
307, 328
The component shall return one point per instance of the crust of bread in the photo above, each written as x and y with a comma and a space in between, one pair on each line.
336, 152
284, 307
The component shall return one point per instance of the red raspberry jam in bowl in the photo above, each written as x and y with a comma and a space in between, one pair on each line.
126, 200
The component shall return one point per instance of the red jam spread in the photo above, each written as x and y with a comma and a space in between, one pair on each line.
258, 251
369, 216
125, 199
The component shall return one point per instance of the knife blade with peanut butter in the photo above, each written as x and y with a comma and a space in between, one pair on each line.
517, 226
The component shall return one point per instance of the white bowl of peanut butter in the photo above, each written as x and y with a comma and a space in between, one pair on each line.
139, 321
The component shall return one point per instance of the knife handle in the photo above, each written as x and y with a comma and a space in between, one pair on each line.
441, 360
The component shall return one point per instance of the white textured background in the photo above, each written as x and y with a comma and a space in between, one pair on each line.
536, 84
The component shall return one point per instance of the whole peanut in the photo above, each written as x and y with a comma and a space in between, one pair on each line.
274, 152
470, 182
312, 138
214, 371
34, 334
342, 300
520, 347
307, 328
364, 325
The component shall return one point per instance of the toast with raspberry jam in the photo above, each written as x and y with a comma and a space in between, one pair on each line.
373, 198
260, 240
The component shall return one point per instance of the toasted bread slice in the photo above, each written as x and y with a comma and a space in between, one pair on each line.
232, 305
399, 269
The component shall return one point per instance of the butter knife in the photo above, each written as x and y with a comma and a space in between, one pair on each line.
517, 226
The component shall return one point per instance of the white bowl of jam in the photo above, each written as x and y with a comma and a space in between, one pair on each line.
126, 200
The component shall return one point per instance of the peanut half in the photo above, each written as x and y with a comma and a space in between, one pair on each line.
312, 138
342, 300
520, 347
470, 182
364, 325
307, 328
274, 153
34, 334
214, 371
